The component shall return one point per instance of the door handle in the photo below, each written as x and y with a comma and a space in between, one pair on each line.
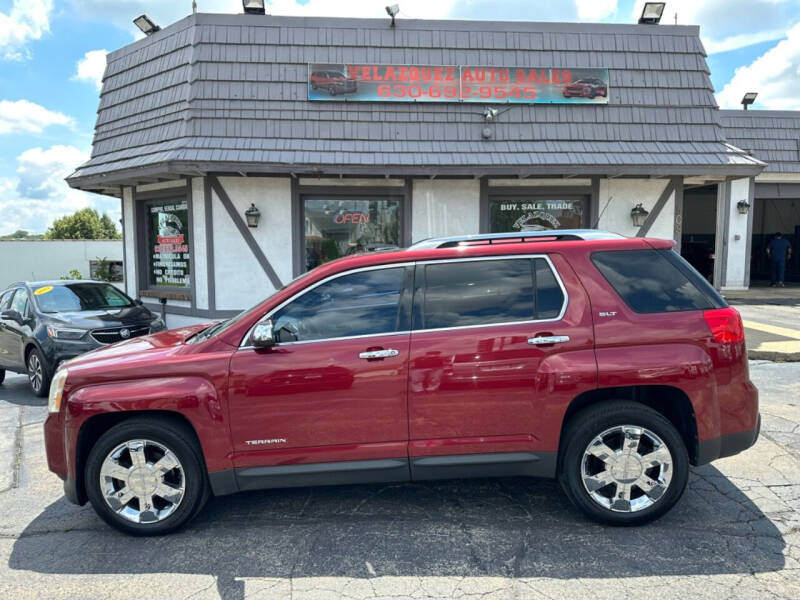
547, 340
378, 354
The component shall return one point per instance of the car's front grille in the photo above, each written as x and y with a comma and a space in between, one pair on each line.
111, 336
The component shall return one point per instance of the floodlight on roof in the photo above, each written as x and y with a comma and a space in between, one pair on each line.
254, 7
392, 11
146, 24
651, 13
748, 99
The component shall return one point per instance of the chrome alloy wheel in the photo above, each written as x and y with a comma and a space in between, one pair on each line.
142, 481
35, 372
626, 468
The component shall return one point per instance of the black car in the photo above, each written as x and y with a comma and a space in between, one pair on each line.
44, 323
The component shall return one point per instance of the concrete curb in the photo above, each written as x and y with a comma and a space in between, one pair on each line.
773, 356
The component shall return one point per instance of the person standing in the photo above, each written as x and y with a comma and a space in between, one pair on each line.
779, 251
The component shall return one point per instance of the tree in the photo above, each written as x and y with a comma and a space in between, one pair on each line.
86, 224
21, 234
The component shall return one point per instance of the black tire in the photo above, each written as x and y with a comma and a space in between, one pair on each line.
585, 426
2, 375
332, 90
179, 440
40, 384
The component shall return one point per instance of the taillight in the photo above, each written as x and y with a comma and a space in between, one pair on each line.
725, 325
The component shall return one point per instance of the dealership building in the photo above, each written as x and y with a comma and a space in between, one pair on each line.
248, 149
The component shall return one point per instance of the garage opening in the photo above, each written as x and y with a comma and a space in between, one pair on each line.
699, 228
772, 215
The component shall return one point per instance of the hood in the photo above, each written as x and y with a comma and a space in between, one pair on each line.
153, 347
100, 319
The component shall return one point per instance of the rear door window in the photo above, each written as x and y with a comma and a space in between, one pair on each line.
656, 281
486, 292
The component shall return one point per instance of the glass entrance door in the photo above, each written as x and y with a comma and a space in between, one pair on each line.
340, 226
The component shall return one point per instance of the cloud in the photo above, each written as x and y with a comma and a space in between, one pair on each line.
595, 10
23, 116
38, 194
775, 75
731, 24
27, 20
91, 68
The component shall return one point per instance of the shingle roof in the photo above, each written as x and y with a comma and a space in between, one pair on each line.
772, 136
229, 92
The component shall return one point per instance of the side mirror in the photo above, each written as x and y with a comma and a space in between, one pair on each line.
263, 335
11, 315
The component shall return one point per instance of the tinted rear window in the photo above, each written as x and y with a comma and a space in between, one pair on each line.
656, 281
461, 294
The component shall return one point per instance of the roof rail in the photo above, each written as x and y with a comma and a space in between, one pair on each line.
558, 235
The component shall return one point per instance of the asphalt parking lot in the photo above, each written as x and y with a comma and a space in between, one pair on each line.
736, 532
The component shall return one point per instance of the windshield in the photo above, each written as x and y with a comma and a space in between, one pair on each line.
76, 297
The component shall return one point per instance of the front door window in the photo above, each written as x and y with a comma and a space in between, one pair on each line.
336, 227
522, 214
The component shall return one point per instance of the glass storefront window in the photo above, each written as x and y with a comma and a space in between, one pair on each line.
513, 214
169, 260
336, 227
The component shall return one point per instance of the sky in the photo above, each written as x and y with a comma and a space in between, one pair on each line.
52, 56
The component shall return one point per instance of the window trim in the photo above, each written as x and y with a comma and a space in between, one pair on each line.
142, 202
564, 303
518, 193
244, 344
344, 192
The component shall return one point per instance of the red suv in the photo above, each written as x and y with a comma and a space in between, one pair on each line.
606, 362
333, 82
585, 88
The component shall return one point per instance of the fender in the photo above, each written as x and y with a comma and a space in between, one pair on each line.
193, 397
656, 364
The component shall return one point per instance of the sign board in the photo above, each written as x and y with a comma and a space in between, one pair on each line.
169, 261
430, 83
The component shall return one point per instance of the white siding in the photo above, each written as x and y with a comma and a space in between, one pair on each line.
240, 280
619, 196
445, 207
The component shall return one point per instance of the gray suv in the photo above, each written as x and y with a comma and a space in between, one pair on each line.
44, 323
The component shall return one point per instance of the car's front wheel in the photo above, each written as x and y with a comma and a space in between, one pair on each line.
146, 476
38, 373
623, 463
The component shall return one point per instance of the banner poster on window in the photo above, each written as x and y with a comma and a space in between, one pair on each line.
169, 234
510, 215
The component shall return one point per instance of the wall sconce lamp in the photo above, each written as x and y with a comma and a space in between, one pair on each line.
253, 216
639, 215
743, 207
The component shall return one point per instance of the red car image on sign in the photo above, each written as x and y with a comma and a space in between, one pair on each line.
585, 88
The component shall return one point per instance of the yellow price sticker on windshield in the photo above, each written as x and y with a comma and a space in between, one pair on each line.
43, 290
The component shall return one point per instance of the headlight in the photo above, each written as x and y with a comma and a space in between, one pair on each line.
65, 333
56, 391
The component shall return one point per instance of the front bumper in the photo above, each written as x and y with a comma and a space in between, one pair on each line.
727, 445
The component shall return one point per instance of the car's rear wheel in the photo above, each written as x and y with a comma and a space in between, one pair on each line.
332, 90
146, 476
38, 373
623, 463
